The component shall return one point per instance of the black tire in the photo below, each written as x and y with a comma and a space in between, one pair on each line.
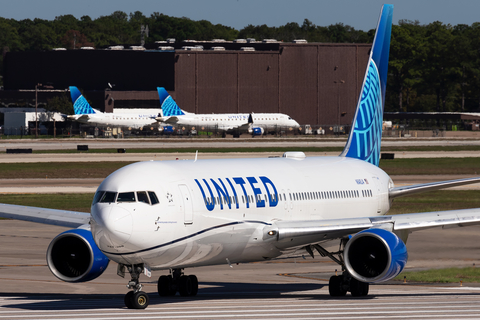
140, 300
185, 286
335, 287
194, 280
358, 288
128, 299
164, 286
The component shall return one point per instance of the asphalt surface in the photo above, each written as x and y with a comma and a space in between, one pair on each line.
294, 288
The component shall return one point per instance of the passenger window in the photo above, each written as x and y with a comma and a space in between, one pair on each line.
142, 197
126, 197
108, 197
153, 198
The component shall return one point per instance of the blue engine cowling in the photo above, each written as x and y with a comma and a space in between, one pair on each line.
257, 131
73, 256
375, 255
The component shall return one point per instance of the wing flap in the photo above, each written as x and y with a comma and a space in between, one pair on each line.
71, 219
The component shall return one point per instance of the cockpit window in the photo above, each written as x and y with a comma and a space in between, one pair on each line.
126, 197
97, 197
142, 197
153, 197
108, 197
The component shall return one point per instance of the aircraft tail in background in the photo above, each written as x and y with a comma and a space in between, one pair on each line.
167, 104
366, 132
80, 104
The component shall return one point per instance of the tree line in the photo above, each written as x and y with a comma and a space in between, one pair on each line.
433, 67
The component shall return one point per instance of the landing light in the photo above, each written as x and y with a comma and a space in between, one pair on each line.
272, 233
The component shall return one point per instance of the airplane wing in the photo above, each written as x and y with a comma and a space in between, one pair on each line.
290, 234
170, 120
417, 188
76, 117
71, 219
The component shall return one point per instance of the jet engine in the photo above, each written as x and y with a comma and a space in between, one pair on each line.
73, 256
257, 131
375, 255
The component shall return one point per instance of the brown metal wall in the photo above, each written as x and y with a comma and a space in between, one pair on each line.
314, 83
298, 83
258, 82
217, 89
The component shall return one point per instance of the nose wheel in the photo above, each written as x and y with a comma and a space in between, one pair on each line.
136, 299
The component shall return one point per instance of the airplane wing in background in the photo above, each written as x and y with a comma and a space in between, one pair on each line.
168, 120
71, 219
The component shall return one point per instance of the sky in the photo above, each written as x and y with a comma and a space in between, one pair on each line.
360, 14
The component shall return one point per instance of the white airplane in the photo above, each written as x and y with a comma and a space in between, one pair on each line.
231, 123
84, 113
172, 215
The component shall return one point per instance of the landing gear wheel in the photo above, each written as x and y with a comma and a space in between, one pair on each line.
358, 288
335, 286
185, 286
140, 300
128, 299
194, 281
164, 286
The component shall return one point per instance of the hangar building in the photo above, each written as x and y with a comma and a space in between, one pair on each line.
314, 83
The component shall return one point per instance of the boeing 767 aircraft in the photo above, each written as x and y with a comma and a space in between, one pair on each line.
168, 216
231, 123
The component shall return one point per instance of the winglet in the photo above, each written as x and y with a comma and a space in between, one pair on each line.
80, 104
167, 104
366, 132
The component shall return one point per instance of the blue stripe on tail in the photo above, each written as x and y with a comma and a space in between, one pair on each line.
167, 104
80, 104
366, 133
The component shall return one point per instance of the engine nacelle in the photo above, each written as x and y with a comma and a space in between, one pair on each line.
73, 256
257, 131
375, 255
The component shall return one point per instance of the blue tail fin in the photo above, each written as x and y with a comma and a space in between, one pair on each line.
167, 104
366, 132
80, 104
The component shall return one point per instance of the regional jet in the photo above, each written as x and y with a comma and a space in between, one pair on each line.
84, 113
173, 215
231, 123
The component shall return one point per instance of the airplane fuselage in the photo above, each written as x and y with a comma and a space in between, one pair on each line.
125, 120
233, 121
210, 214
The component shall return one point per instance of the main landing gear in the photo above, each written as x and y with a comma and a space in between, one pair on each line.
186, 286
339, 285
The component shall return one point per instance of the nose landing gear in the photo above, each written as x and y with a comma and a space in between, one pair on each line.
135, 299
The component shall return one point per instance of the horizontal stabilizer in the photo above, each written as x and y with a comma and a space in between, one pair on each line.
424, 187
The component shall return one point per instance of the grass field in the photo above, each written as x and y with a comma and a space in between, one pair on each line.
470, 166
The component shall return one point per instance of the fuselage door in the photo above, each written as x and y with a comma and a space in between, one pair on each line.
187, 204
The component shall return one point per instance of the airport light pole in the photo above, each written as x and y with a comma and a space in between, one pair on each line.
36, 105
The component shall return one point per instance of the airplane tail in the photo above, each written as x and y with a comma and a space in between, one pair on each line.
80, 104
366, 132
167, 104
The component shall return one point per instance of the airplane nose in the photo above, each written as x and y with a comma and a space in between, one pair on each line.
112, 227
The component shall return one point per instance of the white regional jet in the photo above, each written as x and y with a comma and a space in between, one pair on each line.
231, 123
172, 215
84, 113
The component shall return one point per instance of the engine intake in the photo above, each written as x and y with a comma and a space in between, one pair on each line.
375, 255
73, 256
